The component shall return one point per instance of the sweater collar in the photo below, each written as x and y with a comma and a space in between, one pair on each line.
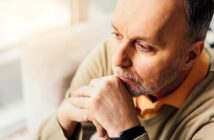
178, 96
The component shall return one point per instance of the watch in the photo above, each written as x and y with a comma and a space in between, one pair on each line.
131, 133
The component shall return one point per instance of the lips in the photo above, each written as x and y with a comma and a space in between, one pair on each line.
128, 83
126, 80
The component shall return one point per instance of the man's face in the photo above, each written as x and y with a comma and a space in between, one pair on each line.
148, 43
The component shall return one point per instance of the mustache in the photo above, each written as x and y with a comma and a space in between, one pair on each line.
127, 74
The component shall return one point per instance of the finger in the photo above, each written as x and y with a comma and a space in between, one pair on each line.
80, 102
100, 130
85, 91
105, 137
74, 113
94, 82
102, 81
79, 115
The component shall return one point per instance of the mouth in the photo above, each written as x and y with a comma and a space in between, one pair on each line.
126, 80
129, 84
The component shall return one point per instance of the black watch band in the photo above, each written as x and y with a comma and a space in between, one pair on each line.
131, 133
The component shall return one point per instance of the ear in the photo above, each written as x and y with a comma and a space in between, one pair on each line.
192, 54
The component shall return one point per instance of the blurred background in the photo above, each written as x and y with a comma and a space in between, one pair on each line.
20, 21
40, 49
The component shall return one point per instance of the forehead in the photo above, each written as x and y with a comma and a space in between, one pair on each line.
149, 18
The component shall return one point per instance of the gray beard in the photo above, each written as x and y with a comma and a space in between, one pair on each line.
138, 88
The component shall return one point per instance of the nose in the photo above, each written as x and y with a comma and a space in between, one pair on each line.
122, 55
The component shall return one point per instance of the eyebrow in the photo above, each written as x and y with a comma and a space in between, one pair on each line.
150, 42
153, 43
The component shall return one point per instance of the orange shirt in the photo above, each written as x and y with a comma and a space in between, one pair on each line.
177, 97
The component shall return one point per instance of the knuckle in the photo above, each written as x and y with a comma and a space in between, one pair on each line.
106, 83
78, 91
116, 79
95, 102
93, 81
113, 78
86, 117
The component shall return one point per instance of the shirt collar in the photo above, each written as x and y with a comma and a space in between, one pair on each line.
178, 96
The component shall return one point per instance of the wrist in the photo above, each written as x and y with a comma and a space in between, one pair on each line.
66, 125
119, 129
130, 134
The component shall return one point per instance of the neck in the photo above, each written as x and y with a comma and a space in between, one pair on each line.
172, 86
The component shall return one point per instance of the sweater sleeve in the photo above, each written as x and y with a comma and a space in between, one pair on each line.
142, 137
205, 132
95, 65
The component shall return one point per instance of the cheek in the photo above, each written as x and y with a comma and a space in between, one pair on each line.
150, 68
148, 71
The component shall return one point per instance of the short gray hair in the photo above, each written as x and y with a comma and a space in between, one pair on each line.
199, 14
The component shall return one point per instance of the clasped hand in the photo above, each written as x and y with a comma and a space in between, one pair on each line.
108, 105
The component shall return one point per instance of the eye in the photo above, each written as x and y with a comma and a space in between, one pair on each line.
117, 35
142, 47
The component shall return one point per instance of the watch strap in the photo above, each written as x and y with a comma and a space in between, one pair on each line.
131, 133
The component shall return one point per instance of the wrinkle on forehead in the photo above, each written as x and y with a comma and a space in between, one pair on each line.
149, 18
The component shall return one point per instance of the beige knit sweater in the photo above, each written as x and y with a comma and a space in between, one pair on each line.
193, 120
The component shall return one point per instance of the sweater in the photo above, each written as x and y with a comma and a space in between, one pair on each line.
186, 114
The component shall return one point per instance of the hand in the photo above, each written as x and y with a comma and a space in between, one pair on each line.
107, 100
100, 130
68, 116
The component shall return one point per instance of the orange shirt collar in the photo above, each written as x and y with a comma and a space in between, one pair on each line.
177, 97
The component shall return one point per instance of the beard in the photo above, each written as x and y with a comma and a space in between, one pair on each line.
137, 87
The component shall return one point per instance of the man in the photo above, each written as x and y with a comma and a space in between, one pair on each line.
153, 80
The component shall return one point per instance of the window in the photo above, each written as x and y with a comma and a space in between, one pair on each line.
210, 35
19, 20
